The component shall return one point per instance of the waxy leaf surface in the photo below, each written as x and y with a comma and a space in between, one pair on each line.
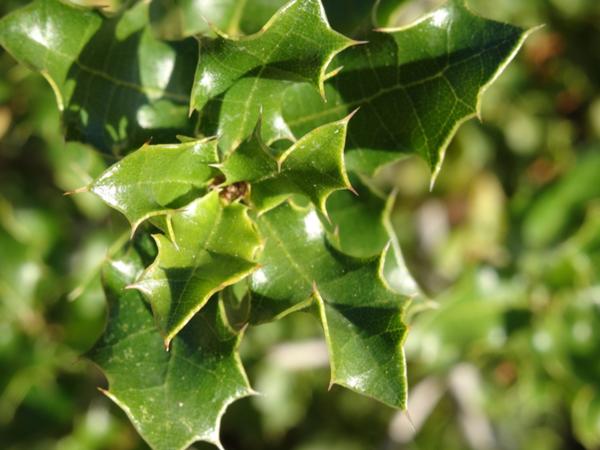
360, 313
173, 398
214, 245
157, 178
413, 85
248, 75
181, 18
313, 166
116, 84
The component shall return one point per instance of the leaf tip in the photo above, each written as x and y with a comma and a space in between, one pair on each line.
80, 190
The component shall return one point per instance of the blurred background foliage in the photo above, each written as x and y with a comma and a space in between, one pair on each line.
506, 356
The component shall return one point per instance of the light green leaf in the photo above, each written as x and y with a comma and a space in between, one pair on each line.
214, 245
246, 75
157, 178
116, 84
313, 166
173, 398
414, 86
360, 313
180, 18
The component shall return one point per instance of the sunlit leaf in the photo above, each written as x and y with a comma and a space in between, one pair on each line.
181, 18
360, 313
116, 84
214, 245
247, 75
313, 166
157, 178
414, 86
173, 398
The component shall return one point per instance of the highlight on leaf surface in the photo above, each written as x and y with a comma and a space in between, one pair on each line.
247, 75
157, 179
414, 85
173, 398
313, 167
175, 19
115, 83
214, 245
360, 313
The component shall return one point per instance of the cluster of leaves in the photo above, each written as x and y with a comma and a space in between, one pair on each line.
257, 187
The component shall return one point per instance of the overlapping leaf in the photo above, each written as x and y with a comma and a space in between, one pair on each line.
360, 313
180, 18
214, 246
356, 17
116, 84
173, 398
157, 178
413, 85
246, 75
313, 166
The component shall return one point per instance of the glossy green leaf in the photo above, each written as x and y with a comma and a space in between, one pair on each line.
116, 84
248, 75
360, 313
157, 178
173, 398
180, 18
313, 166
214, 245
414, 86
355, 18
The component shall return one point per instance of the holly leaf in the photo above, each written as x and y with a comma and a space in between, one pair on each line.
175, 19
213, 246
313, 166
172, 398
116, 85
249, 74
157, 178
356, 17
361, 315
414, 86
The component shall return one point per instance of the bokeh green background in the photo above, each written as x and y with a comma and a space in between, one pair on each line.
506, 355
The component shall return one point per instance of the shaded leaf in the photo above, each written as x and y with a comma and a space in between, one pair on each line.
249, 74
355, 18
173, 398
313, 166
360, 313
414, 86
116, 85
214, 245
157, 178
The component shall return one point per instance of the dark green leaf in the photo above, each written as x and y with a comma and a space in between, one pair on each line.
116, 85
249, 74
213, 245
173, 398
360, 313
313, 166
414, 86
